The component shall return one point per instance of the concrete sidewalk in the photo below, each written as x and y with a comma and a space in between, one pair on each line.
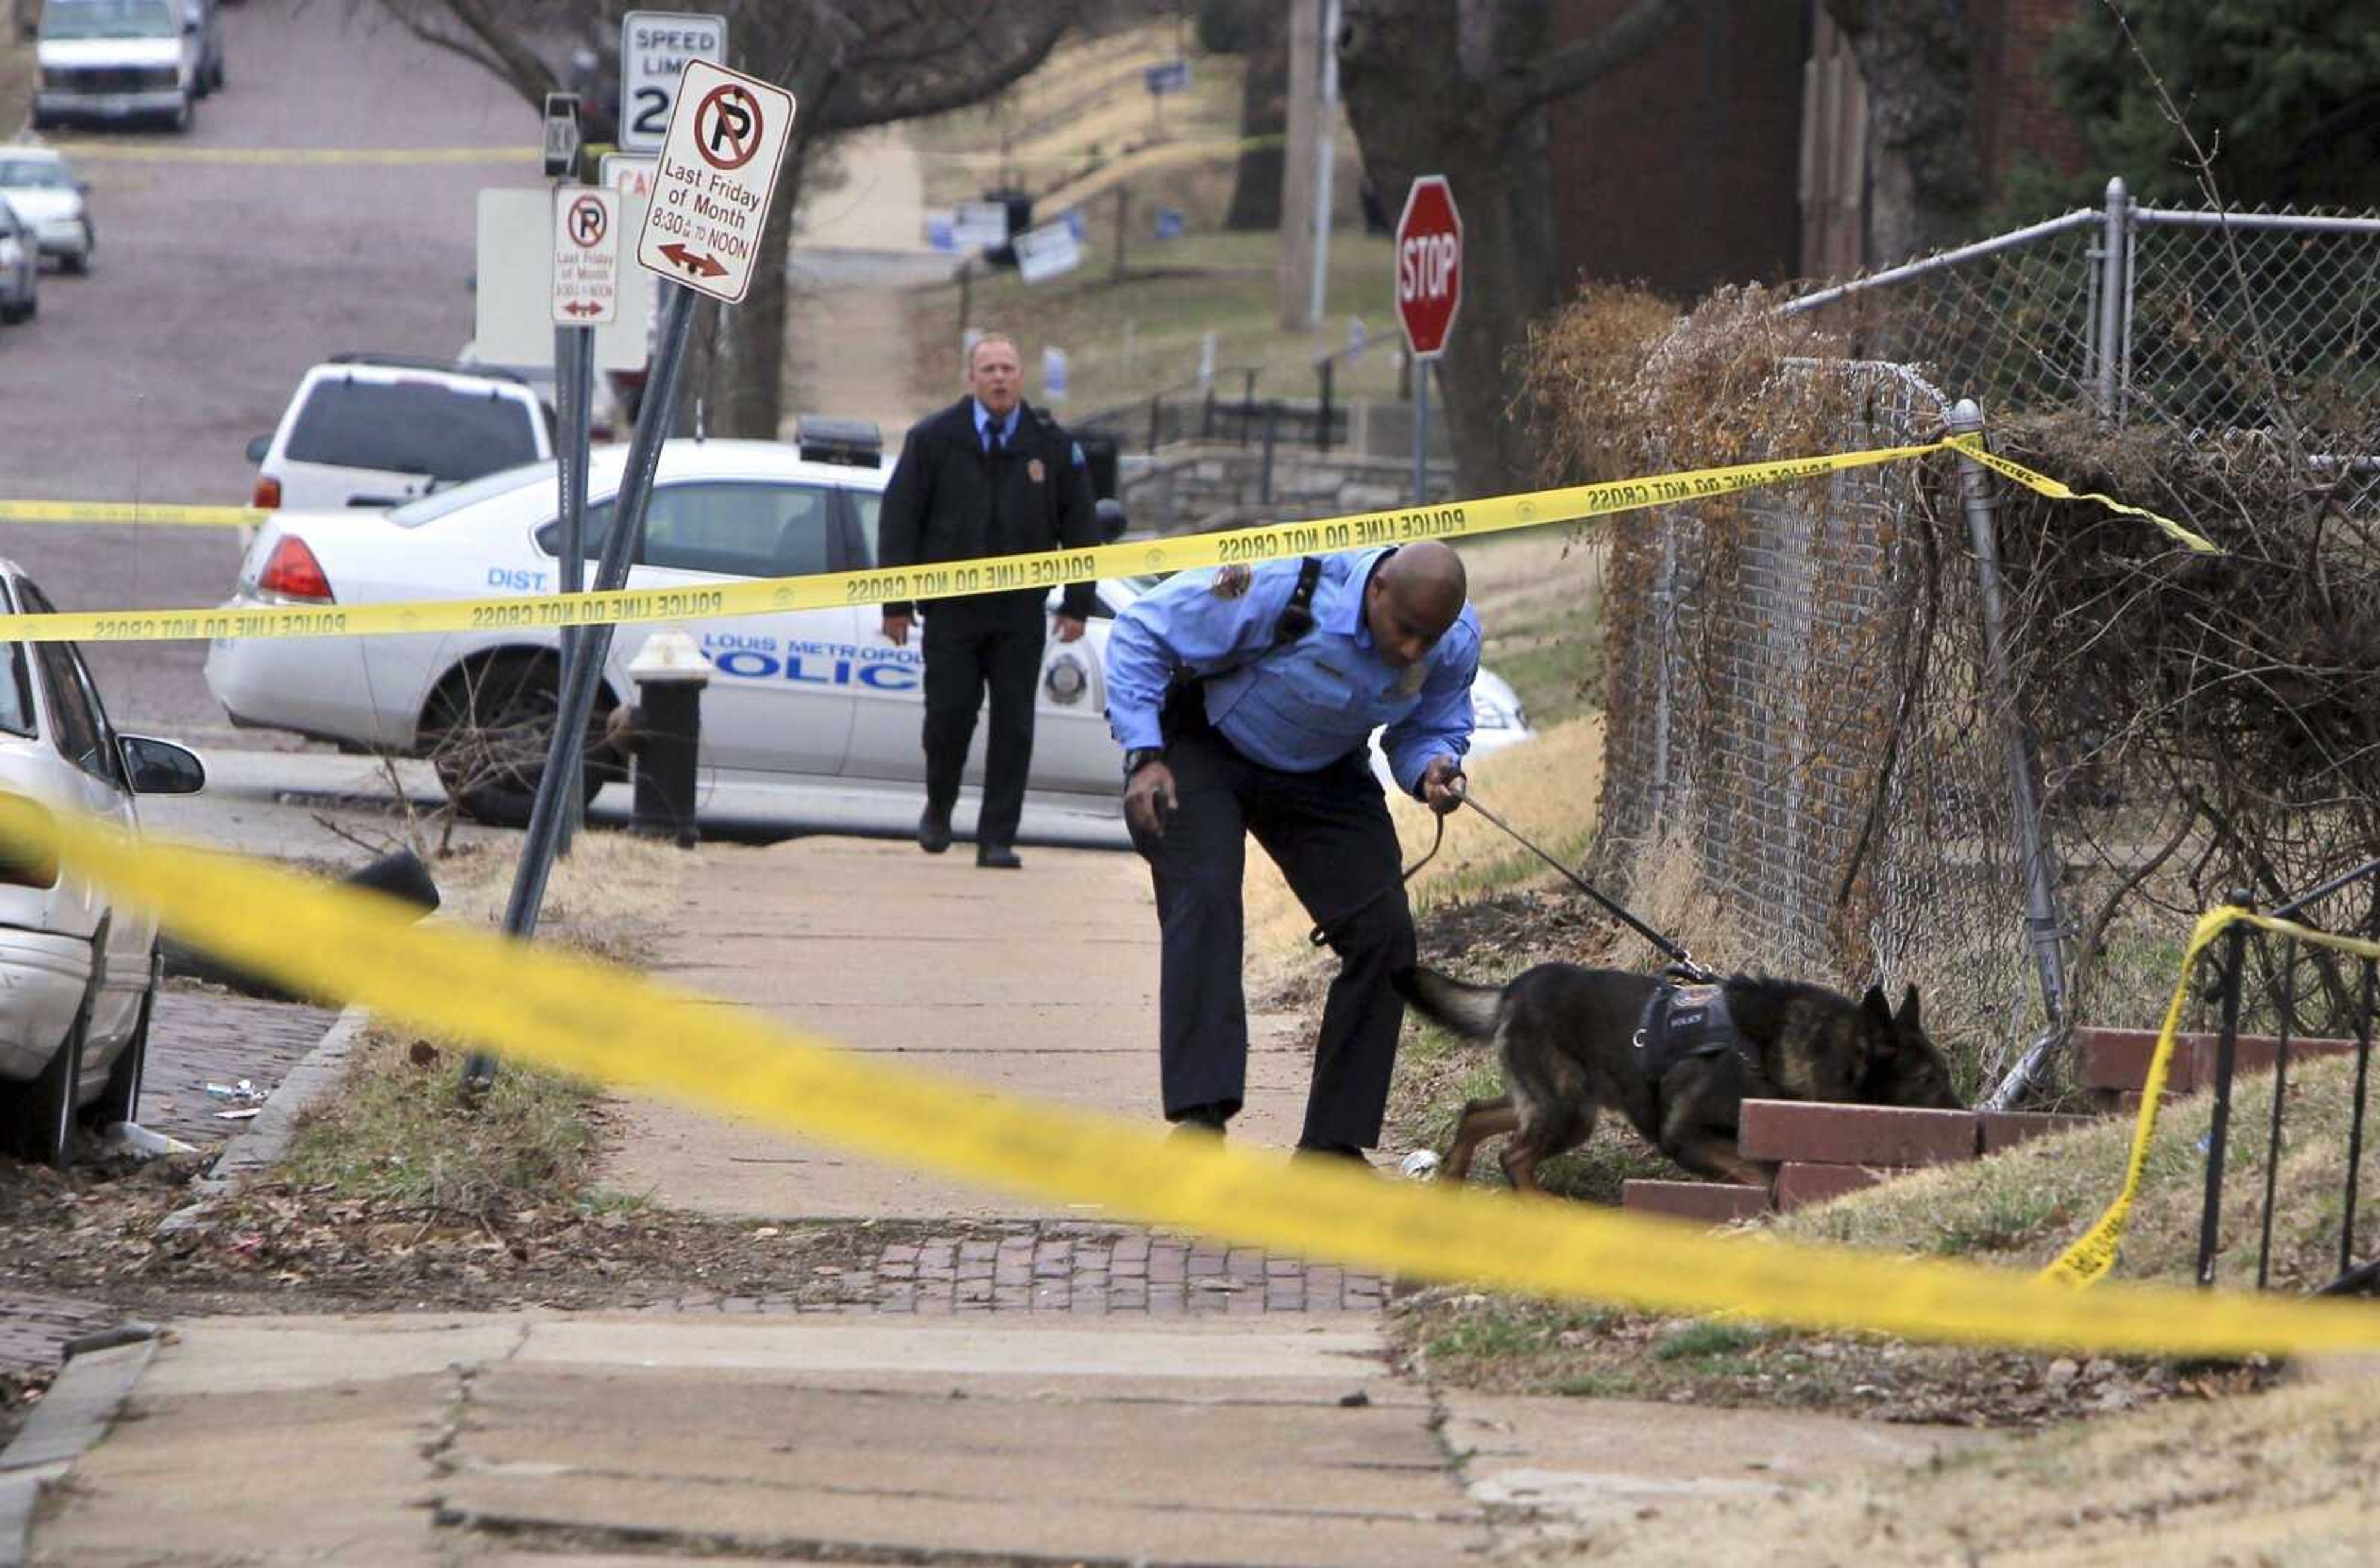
515, 1437
1040, 982
1034, 1390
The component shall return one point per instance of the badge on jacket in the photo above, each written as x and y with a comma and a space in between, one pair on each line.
1034, 472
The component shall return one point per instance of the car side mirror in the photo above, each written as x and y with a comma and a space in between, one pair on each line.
1111, 519
82, 187
259, 447
160, 767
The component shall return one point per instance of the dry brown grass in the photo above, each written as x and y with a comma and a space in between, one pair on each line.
1546, 789
611, 890
401, 1128
2284, 1477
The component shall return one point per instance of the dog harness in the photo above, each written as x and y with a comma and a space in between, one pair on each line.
1682, 1021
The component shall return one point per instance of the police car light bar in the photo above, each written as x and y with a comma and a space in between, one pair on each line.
855, 443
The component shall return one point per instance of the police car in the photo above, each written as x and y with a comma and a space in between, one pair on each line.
813, 714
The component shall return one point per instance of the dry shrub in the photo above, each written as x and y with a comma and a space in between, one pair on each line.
2227, 707
1617, 384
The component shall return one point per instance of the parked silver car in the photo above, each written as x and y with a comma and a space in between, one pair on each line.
50, 202
20, 266
77, 969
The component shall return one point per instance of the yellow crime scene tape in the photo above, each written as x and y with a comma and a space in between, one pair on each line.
762, 596
535, 1004
2093, 1254
134, 514
151, 153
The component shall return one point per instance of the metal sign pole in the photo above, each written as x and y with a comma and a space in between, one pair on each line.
595, 642
1421, 431
574, 347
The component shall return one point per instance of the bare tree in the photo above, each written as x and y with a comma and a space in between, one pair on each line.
1917, 61
850, 65
1460, 89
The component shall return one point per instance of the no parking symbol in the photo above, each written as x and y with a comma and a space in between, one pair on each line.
586, 256
714, 181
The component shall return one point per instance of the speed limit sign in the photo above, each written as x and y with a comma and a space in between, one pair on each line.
654, 49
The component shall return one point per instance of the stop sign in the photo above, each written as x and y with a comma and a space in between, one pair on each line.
1430, 266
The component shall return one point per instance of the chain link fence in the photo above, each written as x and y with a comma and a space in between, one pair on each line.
1805, 713
1802, 724
2210, 321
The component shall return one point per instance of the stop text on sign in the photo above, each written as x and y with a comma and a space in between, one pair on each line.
1425, 266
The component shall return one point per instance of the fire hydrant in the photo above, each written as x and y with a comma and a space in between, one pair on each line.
670, 672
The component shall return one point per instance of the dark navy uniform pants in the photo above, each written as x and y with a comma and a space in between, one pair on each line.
1330, 833
994, 642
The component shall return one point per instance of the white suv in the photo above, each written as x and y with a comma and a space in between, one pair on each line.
368, 429
116, 59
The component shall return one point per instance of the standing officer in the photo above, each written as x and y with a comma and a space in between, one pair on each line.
986, 476
1244, 703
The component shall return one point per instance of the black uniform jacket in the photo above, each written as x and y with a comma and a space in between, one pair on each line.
948, 500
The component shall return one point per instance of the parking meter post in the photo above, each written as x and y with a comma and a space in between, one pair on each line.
670, 672
577, 697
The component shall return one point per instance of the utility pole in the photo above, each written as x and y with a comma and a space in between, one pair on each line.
1325, 129
1298, 169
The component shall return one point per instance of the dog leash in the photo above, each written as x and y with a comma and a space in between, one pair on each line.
1680, 961
1320, 935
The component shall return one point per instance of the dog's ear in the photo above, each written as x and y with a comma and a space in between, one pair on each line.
1877, 1012
1908, 1016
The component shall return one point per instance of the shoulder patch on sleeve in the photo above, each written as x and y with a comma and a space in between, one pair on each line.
1080, 461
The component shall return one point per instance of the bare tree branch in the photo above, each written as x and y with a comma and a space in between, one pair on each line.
1577, 66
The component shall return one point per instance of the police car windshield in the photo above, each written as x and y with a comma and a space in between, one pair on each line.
438, 503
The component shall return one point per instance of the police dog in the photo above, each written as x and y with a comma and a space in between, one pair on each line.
1568, 1039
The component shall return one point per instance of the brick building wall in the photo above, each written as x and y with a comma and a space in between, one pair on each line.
1678, 170
1735, 149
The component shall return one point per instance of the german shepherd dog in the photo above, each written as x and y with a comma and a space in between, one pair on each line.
1568, 1039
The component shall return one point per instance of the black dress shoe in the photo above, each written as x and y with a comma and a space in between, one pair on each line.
934, 831
1340, 1154
1207, 1119
999, 856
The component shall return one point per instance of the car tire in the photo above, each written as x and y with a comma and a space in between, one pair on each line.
120, 1100
79, 262
43, 1122
178, 122
493, 725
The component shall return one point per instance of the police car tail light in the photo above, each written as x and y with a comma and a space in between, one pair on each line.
268, 494
292, 572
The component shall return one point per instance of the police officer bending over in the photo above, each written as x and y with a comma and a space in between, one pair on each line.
1244, 704
986, 476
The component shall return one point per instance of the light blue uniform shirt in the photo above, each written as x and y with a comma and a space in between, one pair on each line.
1302, 707
984, 421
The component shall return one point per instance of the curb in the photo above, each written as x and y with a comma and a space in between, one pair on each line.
267, 1139
77, 1412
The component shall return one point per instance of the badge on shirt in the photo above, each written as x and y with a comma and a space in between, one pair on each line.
1034, 472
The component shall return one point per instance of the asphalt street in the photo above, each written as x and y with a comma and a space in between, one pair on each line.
216, 284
